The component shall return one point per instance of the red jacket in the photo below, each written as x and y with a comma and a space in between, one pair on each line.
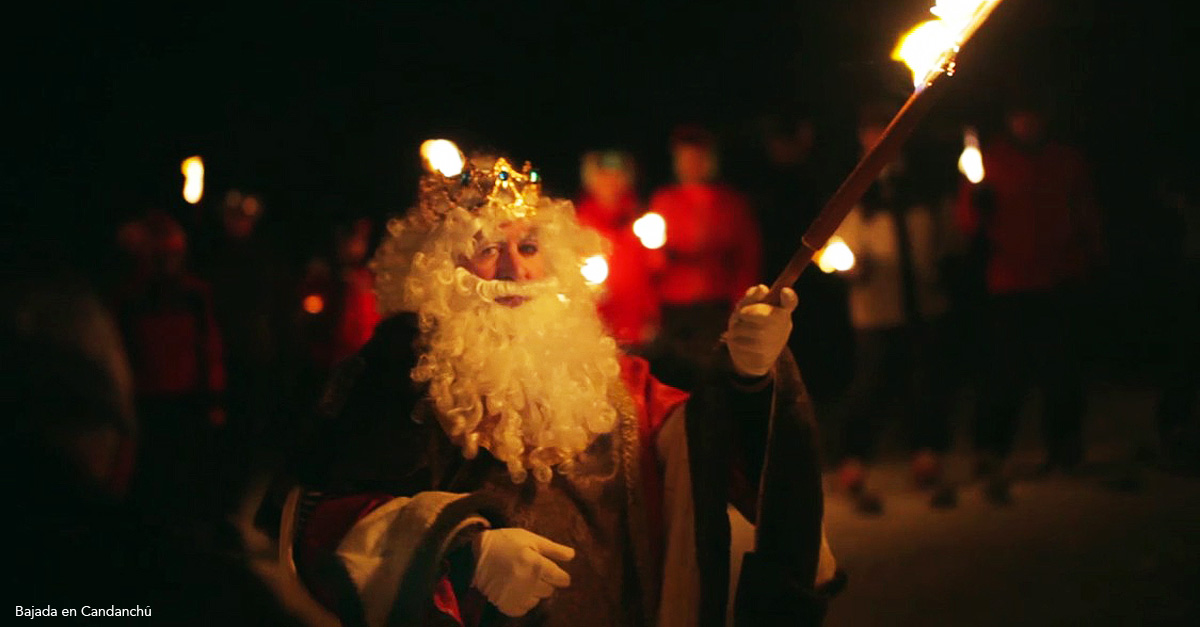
174, 344
359, 313
629, 305
714, 246
1043, 229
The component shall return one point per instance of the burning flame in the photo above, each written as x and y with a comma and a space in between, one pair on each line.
652, 230
929, 47
836, 256
970, 162
193, 179
442, 155
314, 304
595, 269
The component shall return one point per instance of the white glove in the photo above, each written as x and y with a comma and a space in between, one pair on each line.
514, 568
758, 332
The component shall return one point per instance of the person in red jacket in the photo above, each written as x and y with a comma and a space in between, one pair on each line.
1035, 221
337, 298
713, 250
175, 349
358, 313
609, 204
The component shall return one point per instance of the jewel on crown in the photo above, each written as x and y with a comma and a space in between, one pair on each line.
451, 180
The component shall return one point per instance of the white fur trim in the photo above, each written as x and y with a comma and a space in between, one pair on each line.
679, 601
680, 597
826, 565
379, 547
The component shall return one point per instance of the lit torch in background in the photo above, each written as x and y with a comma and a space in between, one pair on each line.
929, 50
193, 179
970, 162
442, 155
651, 228
595, 269
313, 304
836, 256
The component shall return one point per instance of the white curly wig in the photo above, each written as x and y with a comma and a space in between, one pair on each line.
532, 384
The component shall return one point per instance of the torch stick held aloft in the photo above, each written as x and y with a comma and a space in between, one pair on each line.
888, 147
855, 185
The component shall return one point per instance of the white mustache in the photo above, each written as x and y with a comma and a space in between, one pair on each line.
490, 290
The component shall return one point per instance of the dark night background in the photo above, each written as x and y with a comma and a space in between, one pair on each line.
320, 108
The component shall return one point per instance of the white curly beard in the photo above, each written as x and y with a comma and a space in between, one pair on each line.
532, 383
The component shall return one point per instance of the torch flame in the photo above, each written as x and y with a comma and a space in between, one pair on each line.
970, 162
313, 304
836, 256
595, 269
929, 47
193, 179
652, 230
442, 155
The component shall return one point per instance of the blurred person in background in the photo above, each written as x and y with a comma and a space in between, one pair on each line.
786, 184
896, 308
1178, 410
337, 306
609, 204
166, 317
1038, 230
358, 312
67, 390
248, 286
133, 254
713, 250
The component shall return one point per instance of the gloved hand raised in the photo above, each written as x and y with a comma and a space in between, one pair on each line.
515, 568
758, 332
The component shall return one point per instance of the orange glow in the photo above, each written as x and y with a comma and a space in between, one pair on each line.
193, 179
595, 269
970, 162
930, 46
836, 256
314, 304
251, 206
922, 47
652, 230
442, 155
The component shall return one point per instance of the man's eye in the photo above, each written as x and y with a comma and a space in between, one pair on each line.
488, 251
528, 248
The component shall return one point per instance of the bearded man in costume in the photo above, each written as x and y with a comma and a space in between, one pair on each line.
491, 458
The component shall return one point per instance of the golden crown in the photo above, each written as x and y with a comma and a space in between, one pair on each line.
451, 180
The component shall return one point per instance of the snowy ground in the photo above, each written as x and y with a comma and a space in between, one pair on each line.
1079, 550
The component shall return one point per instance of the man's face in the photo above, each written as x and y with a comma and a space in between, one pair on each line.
608, 185
1026, 126
514, 256
693, 164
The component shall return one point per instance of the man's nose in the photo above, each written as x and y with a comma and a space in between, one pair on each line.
506, 266
512, 265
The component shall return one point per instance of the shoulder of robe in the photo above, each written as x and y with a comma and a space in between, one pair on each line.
370, 423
